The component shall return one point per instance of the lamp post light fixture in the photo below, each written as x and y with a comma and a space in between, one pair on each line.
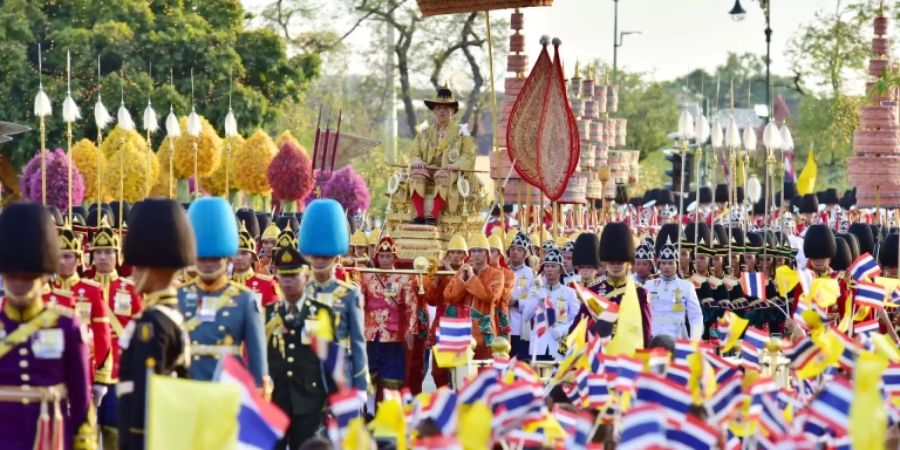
617, 38
737, 14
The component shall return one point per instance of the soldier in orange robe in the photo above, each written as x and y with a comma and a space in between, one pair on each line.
476, 291
263, 286
91, 310
435, 299
504, 328
123, 303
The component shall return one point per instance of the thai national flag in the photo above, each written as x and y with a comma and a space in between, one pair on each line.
691, 433
870, 294
524, 372
594, 350
754, 284
578, 426
514, 403
581, 386
643, 428
765, 409
864, 267
832, 405
260, 423
869, 326
500, 363
443, 410
479, 387
679, 373
683, 349
851, 351
891, 379
726, 398
454, 334
756, 337
524, 439
749, 355
628, 370
345, 406
541, 320
660, 391
598, 390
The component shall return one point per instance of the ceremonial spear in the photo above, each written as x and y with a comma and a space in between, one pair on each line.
173, 130
701, 133
70, 114
194, 128
42, 108
732, 142
101, 119
749, 141
230, 132
685, 132
150, 126
126, 124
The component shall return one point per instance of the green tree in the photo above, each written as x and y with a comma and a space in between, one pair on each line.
127, 36
827, 125
833, 44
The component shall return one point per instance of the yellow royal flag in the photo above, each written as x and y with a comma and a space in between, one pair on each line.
446, 360
806, 181
785, 279
736, 327
357, 438
191, 415
324, 331
868, 414
390, 422
824, 291
830, 349
629, 327
475, 419
885, 347
890, 285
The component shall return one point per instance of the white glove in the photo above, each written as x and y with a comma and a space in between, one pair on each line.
99, 390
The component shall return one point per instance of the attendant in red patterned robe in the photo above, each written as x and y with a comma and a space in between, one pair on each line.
390, 314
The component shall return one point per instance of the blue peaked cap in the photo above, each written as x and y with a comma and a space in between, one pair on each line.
324, 230
215, 228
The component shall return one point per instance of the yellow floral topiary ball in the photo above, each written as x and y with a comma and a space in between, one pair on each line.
252, 160
113, 140
209, 151
215, 183
132, 163
286, 136
84, 155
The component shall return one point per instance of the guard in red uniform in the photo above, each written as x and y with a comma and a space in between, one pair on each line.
263, 286
44, 367
90, 309
123, 303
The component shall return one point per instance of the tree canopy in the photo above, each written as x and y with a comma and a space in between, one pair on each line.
127, 37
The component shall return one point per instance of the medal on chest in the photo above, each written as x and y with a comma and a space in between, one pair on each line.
48, 344
678, 300
206, 308
122, 303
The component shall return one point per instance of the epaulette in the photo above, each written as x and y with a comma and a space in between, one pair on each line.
186, 284
240, 287
61, 293
62, 310
126, 281
91, 283
264, 277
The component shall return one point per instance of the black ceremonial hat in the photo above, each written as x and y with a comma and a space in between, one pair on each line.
28, 238
887, 256
114, 208
263, 219
587, 250
842, 257
863, 233
809, 204
722, 193
55, 214
670, 232
665, 197
819, 242
830, 197
159, 235
247, 217
289, 261
616, 243
790, 189
706, 194
703, 235
286, 221
852, 242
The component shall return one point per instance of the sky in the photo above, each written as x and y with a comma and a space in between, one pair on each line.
676, 37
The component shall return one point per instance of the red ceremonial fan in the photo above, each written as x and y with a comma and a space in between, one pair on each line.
542, 137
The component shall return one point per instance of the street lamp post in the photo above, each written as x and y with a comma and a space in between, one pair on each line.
737, 14
617, 39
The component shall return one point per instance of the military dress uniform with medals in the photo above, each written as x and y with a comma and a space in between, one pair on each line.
524, 283
324, 232
265, 291
44, 364
565, 304
300, 386
674, 300
221, 315
123, 303
159, 237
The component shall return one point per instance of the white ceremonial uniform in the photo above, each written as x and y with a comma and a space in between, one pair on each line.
521, 289
674, 304
566, 304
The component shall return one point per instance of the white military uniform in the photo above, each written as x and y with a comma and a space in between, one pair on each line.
522, 288
566, 305
674, 305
